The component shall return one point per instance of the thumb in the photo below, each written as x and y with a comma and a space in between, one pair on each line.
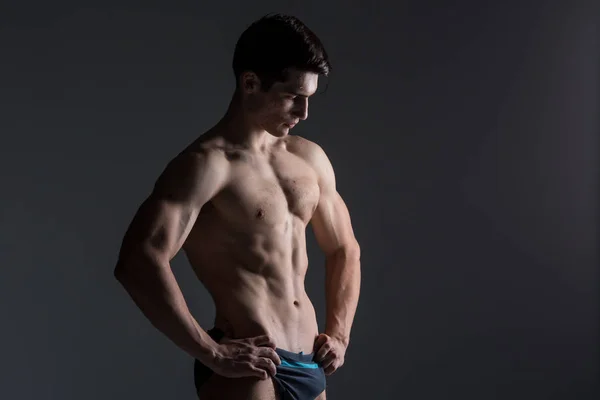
320, 340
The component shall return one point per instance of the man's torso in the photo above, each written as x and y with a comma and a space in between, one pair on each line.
248, 245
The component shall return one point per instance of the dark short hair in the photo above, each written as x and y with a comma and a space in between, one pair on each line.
275, 43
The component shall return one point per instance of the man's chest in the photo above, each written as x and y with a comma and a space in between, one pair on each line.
267, 191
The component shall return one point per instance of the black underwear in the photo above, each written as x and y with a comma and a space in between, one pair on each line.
298, 377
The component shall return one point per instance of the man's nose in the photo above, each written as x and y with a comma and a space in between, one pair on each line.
301, 111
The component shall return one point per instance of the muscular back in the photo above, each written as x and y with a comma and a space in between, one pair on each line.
248, 245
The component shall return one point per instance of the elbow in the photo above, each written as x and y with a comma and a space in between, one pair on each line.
351, 250
348, 252
355, 250
126, 266
136, 264
120, 270
127, 274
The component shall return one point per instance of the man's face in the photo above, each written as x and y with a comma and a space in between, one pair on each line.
285, 103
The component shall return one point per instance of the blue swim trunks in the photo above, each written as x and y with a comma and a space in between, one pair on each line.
298, 377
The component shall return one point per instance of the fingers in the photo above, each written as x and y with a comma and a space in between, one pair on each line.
262, 341
322, 352
266, 364
269, 354
259, 366
321, 340
255, 356
259, 355
328, 361
257, 372
329, 357
331, 363
329, 370
322, 347
264, 346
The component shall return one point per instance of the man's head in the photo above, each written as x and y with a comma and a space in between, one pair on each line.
277, 62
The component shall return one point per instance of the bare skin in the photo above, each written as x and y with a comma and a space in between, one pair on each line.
239, 210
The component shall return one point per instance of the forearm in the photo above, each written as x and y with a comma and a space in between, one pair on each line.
342, 288
154, 290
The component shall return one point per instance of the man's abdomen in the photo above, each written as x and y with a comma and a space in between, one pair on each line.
255, 275
290, 321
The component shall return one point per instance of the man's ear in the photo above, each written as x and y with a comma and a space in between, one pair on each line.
250, 82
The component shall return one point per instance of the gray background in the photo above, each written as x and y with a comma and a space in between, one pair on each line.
465, 141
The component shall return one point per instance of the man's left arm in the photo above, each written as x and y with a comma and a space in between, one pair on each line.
334, 234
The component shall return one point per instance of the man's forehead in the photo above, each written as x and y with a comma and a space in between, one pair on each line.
302, 82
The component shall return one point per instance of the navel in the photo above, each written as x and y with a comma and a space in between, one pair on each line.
260, 214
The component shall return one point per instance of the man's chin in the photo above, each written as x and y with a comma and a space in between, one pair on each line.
280, 131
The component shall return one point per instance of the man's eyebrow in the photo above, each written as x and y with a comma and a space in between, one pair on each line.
297, 93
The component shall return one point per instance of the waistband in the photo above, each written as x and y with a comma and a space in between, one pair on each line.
301, 357
217, 334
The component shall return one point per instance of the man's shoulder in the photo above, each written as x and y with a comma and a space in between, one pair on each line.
207, 144
198, 169
200, 158
305, 148
313, 154
206, 150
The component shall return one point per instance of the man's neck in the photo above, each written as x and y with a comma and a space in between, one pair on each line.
239, 129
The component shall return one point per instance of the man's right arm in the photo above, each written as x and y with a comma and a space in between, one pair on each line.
156, 234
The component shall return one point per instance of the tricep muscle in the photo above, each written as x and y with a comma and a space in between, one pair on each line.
166, 217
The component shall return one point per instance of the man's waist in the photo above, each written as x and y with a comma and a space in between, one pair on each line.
290, 329
246, 321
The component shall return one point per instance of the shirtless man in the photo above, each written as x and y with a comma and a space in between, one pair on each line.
238, 201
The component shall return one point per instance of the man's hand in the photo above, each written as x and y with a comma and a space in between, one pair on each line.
329, 352
237, 358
